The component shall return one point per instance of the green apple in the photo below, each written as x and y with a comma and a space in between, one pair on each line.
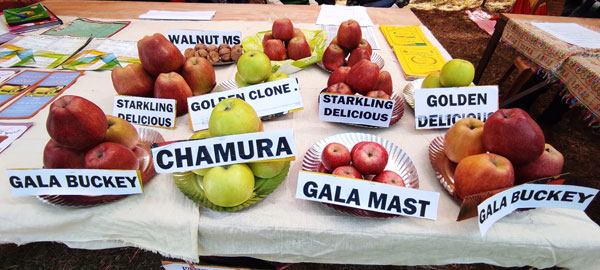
432, 80
202, 134
120, 131
266, 169
239, 81
233, 116
230, 185
254, 67
277, 76
457, 73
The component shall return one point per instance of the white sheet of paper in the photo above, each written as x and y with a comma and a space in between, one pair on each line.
572, 33
178, 15
335, 15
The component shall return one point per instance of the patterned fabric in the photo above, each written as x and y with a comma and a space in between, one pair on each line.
541, 48
581, 77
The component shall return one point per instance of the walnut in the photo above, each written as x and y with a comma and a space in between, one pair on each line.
202, 53
200, 46
212, 48
189, 52
225, 54
224, 45
236, 52
213, 57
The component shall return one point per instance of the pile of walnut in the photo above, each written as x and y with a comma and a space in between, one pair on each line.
214, 54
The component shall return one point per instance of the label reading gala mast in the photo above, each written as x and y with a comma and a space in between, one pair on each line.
367, 195
189, 155
442, 107
184, 39
154, 112
270, 98
73, 182
355, 109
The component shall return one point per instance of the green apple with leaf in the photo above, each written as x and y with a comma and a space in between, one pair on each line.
254, 67
266, 169
228, 186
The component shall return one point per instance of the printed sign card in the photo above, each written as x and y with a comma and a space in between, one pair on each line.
9, 132
276, 97
219, 151
73, 182
184, 39
154, 112
355, 109
442, 107
367, 195
20, 84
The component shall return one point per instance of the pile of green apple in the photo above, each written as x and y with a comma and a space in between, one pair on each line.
164, 73
82, 136
454, 73
508, 149
232, 185
254, 67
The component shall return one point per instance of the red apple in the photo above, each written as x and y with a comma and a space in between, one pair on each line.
347, 171
335, 155
266, 37
390, 177
549, 163
283, 29
512, 133
370, 158
334, 57
298, 48
172, 85
358, 54
384, 82
109, 155
463, 139
132, 80
338, 75
199, 74
363, 76
339, 88
365, 44
275, 50
298, 33
356, 146
321, 168
159, 55
76, 122
349, 34
378, 94
60, 157
483, 172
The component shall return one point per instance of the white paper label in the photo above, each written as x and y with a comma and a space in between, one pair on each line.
276, 97
184, 39
442, 107
355, 110
73, 182
367, 195
532, 196
219, 151
154, 112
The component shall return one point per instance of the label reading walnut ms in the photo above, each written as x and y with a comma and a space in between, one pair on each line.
442, 107
184, 39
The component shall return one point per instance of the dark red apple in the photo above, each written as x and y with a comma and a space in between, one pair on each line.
298, 48
358, 54
76, 122
370, 158
266, 38
298, 33
338, 75
339, 88
334, 57
483, 172
347, 171
109, 155
549, 163
384, 82
159, 55
378, 94
365, 44
172, 85
390, 177
512, 133
283, 29
60, 157
335, 155
363, 76
275, 50
349, 34
199, 74
321, 168
132, 80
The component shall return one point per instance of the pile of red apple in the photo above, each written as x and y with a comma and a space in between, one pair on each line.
363, 78
82, 136
285, 42
164, 73
348, 41
508, 149
366, 160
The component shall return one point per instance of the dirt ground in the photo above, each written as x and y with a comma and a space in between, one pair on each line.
463, 39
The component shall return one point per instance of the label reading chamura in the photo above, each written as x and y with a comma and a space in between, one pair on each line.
442, 107
355, 109
189, 155
532, 196
367, 195
270, 98
184, 39
154, 112
73, 182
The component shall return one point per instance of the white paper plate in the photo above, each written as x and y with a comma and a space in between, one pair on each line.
409, 91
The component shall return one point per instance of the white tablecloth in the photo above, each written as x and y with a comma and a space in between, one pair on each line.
282, 228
